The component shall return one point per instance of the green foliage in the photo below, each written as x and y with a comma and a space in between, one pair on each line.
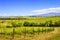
32, 25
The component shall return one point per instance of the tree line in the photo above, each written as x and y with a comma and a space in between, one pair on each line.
46, 24
13, 18
33, 24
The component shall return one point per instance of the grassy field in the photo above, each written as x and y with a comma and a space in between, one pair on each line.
53, 35
27, 30
29, 33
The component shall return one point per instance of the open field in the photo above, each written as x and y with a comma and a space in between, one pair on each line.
30, 28
36, 36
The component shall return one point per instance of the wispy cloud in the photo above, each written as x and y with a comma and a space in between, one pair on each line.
49, 10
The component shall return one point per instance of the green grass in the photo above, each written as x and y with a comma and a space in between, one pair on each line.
22, 28
27, 30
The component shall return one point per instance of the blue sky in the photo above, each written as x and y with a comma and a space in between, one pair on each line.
25, 7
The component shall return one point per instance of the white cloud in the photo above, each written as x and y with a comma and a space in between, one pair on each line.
49, 10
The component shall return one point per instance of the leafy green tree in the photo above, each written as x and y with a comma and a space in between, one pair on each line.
26, 24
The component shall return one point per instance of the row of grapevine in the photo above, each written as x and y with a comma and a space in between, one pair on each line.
26, 30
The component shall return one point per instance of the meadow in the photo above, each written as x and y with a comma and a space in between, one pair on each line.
29, 28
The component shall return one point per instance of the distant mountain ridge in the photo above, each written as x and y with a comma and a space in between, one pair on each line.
50, 14
47, 14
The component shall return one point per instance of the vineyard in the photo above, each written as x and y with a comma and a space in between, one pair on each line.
26, 28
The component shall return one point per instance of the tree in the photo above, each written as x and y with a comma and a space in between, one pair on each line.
26, 24
50, 23
56, 24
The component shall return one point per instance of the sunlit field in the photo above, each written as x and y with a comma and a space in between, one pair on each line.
30, 28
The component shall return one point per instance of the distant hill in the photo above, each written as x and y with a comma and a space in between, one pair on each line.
47, 14
40, 15
50, 14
